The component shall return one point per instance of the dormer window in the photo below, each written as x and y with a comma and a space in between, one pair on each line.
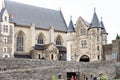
5, 18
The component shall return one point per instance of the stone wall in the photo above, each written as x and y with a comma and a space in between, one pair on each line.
112, 51
107, 50
35, 69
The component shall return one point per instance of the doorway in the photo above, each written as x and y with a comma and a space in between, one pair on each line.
70, 74
84, 58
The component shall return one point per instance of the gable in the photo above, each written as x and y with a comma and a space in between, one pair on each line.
81, 23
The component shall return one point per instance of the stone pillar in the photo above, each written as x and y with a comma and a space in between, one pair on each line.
68, 50
32, 29
12, 52
51, 30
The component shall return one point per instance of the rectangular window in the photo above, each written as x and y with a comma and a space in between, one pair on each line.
98, 48
98, 30
5, 49
5, 18
98, 39
82, 31
5, 28
84, 44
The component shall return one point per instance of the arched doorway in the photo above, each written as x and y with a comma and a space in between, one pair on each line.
84, 58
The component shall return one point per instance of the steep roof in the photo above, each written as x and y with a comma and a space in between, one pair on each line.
71, 26
95, 20
26, 15
102, 25
1, 13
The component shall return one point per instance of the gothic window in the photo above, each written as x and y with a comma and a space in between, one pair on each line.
19, 41
82, 31
40, 40
58, 41
84, 44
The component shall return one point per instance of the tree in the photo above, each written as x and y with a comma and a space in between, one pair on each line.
117, 37
103, 77
54, 77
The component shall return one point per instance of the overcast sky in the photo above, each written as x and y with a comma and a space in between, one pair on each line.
107, 9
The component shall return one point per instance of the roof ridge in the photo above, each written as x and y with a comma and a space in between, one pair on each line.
24, 14
29, 5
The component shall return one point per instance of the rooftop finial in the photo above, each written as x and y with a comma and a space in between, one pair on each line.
94, 10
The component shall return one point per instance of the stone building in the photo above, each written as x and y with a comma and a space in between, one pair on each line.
86, 40
35, 32
112, 51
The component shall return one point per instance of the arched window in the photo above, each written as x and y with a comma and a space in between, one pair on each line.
58, 41
19, 42
40, 40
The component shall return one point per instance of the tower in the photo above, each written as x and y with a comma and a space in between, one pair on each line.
6, 33
85, 44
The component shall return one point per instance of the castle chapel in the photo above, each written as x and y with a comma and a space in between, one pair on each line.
39, 33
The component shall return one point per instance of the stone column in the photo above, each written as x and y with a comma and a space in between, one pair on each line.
68, 50
32, 29
12, 52
51, 30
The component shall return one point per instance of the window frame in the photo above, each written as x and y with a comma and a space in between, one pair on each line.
82, 31
40, 39
58, 41
84, 44
20, 42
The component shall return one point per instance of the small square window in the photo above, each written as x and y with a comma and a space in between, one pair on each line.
5, 49
5, 40
6, 56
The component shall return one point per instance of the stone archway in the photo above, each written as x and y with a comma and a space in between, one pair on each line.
84, 58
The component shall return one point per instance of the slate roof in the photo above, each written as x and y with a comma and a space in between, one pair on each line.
1, 13
24, 56
95, 21
86, 23
71, 26
25, 15
102, 25
43, 47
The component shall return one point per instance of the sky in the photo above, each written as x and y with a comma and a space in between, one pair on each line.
107, 9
